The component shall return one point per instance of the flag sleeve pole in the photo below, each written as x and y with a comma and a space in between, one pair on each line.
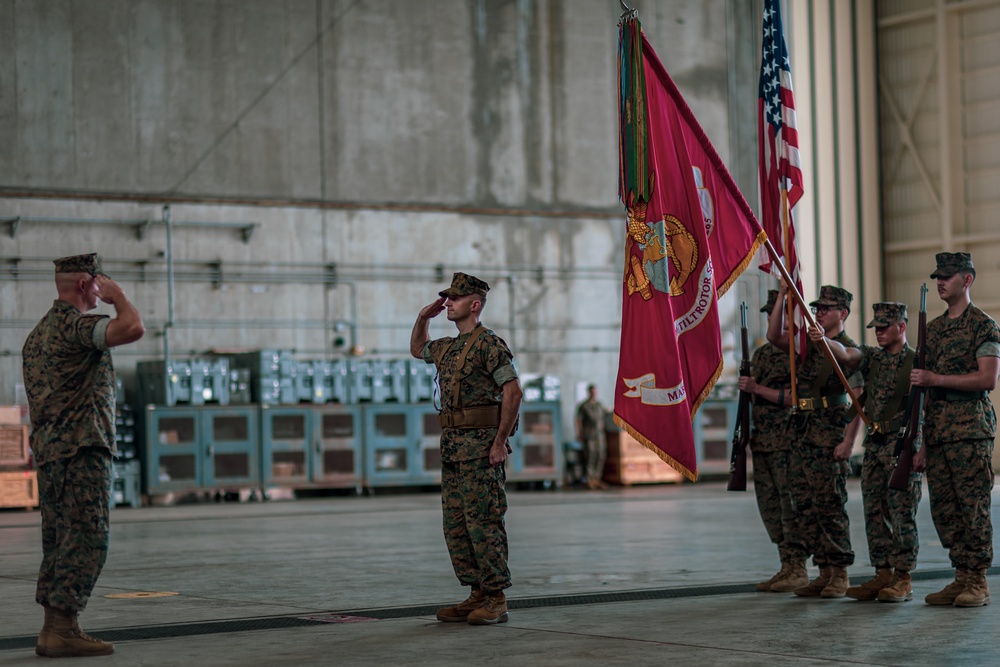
792, 289
788, 304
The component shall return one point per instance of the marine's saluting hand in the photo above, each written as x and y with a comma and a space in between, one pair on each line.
107, 289
434, 309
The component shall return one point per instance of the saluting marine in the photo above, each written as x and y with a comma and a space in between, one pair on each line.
480, 398
70, 383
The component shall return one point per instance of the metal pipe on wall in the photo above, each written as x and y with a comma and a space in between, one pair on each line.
167, 220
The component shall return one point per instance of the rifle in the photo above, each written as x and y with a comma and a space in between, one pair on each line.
741, 431
913, 416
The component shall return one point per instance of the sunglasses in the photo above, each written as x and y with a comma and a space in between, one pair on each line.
816, 310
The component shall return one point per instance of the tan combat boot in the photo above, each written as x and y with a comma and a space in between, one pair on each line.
977, 591
900, 590
67, 640
766, 585
816, 586
839, 582
869, 590
797, 577
461, 611
948, 594
43, 636
493, 610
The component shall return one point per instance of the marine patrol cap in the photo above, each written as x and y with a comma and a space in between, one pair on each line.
831, 295
463, 284
772, 298
888, 313
80, 264
950, 263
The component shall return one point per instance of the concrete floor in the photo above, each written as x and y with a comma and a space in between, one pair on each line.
642, 576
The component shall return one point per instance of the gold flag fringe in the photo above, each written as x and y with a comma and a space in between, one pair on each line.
743, 265
666, 458
708, 388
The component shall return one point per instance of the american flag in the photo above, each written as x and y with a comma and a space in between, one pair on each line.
780, 164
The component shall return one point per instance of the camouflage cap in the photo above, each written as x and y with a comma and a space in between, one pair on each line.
463, 283
950, 263
887, 313
772, 298
80, 264
831, 295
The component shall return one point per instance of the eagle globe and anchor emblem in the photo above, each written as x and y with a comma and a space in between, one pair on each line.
669, 258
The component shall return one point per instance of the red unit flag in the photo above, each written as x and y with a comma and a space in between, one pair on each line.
690, 234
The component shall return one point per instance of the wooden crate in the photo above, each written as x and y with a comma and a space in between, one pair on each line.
10, 414
19, 489
629, 463
13, 445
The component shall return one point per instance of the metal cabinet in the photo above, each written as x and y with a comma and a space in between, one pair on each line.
311, 446
200, 448
337, 447
537, 445
402, 445
125, 483
285, 445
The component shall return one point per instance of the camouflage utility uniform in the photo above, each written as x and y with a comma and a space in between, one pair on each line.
591, 415
771, 451
70, 383
472, 491
959, 429
890, 514
819, 483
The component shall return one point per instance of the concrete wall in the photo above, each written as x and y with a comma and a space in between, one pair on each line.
378, 146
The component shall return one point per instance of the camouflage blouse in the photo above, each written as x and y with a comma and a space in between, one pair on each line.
769, 368
70, 382
487, 368
591, 415
826, 427
881, 387
954, 347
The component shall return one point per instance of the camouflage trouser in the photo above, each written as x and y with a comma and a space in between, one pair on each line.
74, 496
819, 489
474, 502
777, 508
960, 481
596, 451
890, 514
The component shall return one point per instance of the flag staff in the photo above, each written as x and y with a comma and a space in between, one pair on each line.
792, 289
788, 304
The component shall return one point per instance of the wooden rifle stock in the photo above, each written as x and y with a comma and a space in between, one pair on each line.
741, 430
913, 417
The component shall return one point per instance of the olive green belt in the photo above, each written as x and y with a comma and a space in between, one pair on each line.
484, 416
955, 395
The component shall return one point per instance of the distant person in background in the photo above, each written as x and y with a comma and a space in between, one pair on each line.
70, 383
590, 432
